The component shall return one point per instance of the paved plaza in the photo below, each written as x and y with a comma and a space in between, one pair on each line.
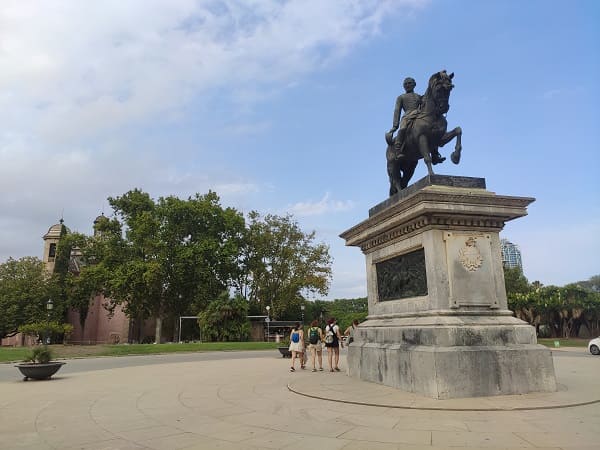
256, 403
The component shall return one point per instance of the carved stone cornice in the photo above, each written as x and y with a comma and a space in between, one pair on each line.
436, 207
424, 223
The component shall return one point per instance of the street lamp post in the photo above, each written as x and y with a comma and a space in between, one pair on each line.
49, 306
268, 324
302, 309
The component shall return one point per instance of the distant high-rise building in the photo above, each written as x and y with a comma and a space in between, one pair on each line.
511, 255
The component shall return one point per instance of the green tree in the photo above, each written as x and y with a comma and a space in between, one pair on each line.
521, 297
173, 256
63, 253
571, 304
345, 310
562, 310
515, 281
591, 313
319, 310
591, 284
280, 265
24, 291
225, 319
48, 328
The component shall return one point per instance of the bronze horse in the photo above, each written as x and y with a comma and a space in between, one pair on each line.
422, 131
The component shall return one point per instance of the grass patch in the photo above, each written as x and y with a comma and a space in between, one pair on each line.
14, 354
549, 342
10, 354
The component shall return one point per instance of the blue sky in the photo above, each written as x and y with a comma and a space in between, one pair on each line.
281, 106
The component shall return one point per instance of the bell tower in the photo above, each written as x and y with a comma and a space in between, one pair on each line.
51, 239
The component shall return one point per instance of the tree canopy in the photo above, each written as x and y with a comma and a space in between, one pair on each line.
24, 291
166, 257
160, 259
281, 265
554, 311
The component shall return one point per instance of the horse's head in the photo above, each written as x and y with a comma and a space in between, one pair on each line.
440, 85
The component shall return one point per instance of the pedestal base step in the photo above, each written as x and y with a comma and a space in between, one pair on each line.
454, 372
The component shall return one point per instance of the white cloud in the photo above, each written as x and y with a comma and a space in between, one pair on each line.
325, 205
348, 284
80, 68
79, 80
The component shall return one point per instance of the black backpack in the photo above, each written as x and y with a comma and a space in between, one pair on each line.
313, 335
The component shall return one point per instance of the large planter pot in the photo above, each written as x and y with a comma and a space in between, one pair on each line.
39, 371
285, 352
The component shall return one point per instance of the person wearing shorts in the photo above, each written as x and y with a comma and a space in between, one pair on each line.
333, 340
316, 349
297, 347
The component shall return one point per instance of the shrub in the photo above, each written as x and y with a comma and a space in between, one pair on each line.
225, 319
41, 355
148, 340
43, 328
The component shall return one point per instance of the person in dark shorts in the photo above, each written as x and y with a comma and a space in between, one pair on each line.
333, 340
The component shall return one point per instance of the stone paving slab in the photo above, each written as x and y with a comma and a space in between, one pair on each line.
246, 404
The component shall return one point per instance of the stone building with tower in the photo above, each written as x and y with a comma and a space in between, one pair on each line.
99, 327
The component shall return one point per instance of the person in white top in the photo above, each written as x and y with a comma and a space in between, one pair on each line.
297, 346
333, 340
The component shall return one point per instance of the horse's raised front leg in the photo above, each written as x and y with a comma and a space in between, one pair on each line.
455, 156
456, 133
424, 149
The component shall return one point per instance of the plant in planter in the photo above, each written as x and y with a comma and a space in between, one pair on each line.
41, 355
39, 365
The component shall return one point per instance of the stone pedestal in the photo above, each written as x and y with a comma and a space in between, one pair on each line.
438, 321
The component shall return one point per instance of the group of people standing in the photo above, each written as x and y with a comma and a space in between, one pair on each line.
314, 340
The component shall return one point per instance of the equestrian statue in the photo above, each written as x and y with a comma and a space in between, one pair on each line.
422, 130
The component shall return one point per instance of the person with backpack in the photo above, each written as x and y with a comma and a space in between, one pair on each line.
315, 339
349, 333
333, 340
297, 346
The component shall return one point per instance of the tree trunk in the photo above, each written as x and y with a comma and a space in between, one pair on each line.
140, 324
176, 330
157, 329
